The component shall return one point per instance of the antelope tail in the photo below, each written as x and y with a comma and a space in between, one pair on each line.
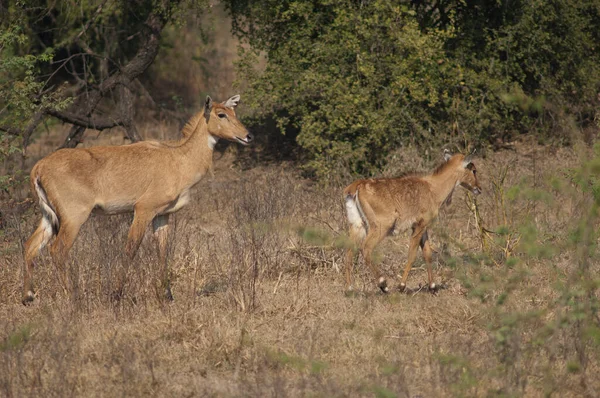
48, 211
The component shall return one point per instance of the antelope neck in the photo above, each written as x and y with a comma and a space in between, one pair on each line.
197, 149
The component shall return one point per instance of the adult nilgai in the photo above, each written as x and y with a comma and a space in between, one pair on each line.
380, 207
151, 179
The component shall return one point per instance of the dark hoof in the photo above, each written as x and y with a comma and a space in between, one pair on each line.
435, 288
431, 288
28, 298
168, 294
383, 285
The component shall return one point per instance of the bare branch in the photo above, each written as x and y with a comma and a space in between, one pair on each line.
64, 62
89, 23
11, 130
75, 137
37, 118
127, 111
86, 122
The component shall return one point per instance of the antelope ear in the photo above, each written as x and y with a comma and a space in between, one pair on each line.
447, 155
232, 102
208, 104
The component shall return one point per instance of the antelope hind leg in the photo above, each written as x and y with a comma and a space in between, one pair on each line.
38, 240
373, 238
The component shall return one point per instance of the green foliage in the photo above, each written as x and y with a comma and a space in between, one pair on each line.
39, 36
17, 339
17, 82
460, 371
298, 363
352, 81
382, 392
521, 329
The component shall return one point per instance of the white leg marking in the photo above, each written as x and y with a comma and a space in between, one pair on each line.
47, 235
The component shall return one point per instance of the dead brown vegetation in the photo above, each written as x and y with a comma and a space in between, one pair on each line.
260, 308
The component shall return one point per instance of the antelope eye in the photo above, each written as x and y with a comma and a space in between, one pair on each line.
222, 115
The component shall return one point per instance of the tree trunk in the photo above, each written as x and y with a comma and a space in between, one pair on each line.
127, 111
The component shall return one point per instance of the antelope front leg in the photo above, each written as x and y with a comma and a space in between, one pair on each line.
160, 226
141, 219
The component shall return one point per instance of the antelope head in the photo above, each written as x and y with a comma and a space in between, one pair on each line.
468, 172
223, 123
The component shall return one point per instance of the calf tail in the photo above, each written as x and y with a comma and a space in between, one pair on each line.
356, 217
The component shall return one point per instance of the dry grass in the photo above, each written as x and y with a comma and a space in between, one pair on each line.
260, 310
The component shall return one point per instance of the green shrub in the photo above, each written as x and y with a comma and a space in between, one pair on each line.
352, 81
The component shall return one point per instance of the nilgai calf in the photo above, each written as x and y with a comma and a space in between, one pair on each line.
380, 207
151, 179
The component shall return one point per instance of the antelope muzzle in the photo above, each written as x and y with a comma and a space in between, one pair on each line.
246, 140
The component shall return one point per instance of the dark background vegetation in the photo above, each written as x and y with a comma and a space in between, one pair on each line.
347, 82
333, 90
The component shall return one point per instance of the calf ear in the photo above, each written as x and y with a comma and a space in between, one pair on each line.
447, 155
208, 104
468, 160
232, 102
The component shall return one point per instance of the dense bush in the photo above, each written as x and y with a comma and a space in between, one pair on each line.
354, 80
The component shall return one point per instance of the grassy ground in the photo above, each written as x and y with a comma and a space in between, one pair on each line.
260, 308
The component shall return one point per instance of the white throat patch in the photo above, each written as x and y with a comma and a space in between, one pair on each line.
212, 141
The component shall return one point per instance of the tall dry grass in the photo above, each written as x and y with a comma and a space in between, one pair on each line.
260, 309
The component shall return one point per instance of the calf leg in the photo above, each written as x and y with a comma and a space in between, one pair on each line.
427, 254
418, 232
357, 235
350, 255
374, 236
